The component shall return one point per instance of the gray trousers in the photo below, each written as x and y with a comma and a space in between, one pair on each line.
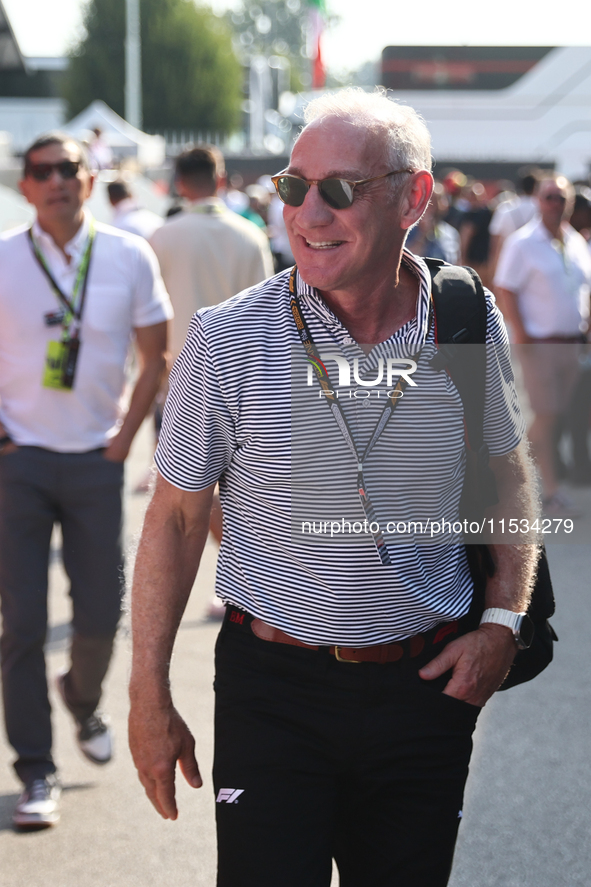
82, 492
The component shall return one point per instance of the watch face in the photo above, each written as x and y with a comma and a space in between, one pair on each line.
526, 632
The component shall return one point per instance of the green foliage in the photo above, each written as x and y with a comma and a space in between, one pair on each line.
191, 78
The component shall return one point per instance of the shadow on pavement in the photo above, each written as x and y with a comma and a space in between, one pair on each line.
7, 805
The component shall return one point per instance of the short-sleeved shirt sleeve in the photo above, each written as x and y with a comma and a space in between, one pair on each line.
504, 425
151, 304
511, 269
198, 435
496, 223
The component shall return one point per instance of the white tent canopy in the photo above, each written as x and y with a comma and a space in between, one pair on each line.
121, 136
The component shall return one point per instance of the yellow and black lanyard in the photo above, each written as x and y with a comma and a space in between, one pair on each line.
337, 411
62, 355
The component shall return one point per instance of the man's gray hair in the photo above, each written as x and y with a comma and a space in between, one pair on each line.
402, 129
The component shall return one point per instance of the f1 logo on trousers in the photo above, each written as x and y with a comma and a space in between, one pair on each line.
228, 795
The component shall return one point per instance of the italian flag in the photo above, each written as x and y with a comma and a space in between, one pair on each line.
317, 12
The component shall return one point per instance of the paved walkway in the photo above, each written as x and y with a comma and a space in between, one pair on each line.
527, 818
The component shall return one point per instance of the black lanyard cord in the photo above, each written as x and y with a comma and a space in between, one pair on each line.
73, 311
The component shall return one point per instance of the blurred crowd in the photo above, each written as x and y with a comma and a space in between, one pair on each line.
530, 242
469, 220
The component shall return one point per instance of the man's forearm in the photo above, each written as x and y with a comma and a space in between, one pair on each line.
511, 586
142, 398
8, 446
151, 342
170, 549
481, 659
507, 301
515, 565
166, 565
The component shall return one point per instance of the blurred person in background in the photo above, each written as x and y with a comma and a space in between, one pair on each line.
505, 193
101, 155
280, 246
512, 214
128, 215
579, 414
258, 204
474, 236
454, 185
231, 192
432, 236
581, 215
207, 254
73, 295
542, 282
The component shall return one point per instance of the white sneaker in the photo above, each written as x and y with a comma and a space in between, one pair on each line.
38, 805
95, 738
94, 735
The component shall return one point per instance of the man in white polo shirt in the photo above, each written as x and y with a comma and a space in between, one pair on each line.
73, 294
542, 282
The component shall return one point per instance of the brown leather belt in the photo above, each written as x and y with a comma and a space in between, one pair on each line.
381, 653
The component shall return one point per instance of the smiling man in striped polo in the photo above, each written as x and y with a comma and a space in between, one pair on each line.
348, 681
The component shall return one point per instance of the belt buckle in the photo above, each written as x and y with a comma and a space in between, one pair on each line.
339, 658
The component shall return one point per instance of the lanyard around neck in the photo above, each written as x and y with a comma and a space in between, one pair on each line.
339, 415
74, 305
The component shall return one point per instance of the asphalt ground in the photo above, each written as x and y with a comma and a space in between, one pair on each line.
527, 817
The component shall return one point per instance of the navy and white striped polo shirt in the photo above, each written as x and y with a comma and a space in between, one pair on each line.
245, 410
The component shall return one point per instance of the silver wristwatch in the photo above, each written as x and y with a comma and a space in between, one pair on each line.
519, 623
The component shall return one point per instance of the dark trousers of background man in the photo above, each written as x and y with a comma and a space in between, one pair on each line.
316, 759
82, 492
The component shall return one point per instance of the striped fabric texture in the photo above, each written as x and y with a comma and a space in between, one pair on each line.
245, 409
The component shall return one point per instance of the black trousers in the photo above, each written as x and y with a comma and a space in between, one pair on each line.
317, 759
82, 492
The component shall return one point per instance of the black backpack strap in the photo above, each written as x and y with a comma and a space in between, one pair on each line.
459, 307
459, 302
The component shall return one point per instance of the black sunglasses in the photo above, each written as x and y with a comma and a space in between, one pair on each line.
555, 198
41, 172
338, 193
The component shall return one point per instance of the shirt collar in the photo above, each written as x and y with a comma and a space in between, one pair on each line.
542, 232
207, 205
127, 205
74, 247
413, 332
